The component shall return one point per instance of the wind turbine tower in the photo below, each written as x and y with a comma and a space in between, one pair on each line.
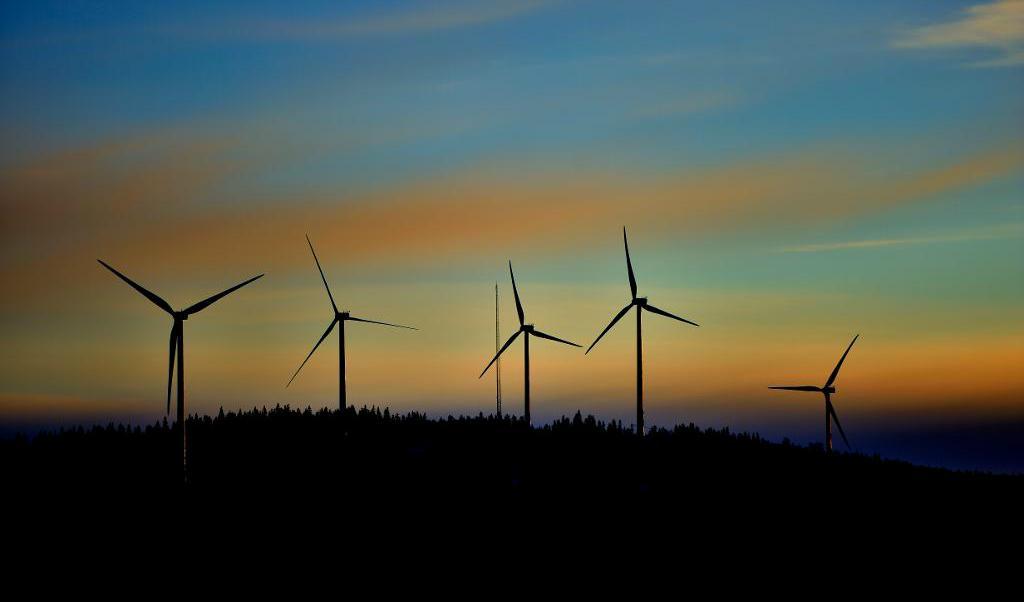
526, 330
340, 317
827, 391
177, 345
641, 305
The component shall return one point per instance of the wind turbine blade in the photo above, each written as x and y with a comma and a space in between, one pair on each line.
629, 264
210, 301
170, 366
804, 388
835, 372
662, 312
617, 317
324, 336
151, 296
832, 410
322, 277
554, 338
515, 291
500, 351
383, 323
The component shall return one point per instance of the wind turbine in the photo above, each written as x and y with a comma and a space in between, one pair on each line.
178, 344
641, 304
827, 391
340, 317
526, 330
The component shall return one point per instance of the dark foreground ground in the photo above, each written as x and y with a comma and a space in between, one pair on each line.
279, 488
291, 459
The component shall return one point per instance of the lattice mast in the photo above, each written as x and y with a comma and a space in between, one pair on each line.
497, 343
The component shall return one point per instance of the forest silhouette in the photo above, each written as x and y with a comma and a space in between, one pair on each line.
374, 455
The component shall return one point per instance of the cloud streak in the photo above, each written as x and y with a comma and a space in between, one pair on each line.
994, 233
697, 103
998, 26
431, 17
424, 18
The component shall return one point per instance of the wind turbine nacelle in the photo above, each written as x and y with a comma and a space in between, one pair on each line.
527, 328
641, 301
343, 315
180, 315
829, 390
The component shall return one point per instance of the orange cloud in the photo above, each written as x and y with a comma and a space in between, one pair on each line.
474, 212
148, 200
969, 171
85, 186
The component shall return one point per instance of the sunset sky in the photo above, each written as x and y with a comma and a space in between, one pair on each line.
790, 173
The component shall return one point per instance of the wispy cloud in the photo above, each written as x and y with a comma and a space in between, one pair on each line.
688, 105
997, 26
992, 233
424, 18
420, 18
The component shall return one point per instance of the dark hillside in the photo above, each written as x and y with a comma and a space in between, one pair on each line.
320, 462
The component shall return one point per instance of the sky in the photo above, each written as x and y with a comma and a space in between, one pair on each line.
790, 174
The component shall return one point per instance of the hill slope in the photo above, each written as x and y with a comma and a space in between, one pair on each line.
372, 454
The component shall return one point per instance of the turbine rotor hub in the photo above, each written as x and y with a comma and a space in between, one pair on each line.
343, 315
828, 390
641, 301
527, 328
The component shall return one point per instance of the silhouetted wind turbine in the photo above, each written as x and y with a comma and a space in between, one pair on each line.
526, 330
178, 343
641, 304
340, 317
827, 391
